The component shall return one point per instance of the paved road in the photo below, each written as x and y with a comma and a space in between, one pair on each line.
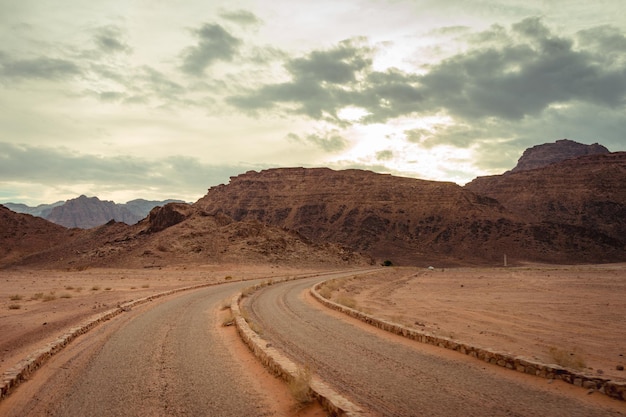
163, 361
389, 378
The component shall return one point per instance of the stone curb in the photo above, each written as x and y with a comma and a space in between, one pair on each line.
24, 368
276, 362
608, 387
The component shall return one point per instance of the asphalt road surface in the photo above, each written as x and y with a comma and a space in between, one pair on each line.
164, 360
391, 378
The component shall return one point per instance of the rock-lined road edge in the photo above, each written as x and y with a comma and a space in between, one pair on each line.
19, 373
605, 386
333, 403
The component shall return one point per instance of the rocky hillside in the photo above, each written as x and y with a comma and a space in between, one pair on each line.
588, 192
550, 153
570, 211
87, 212
171, 235
23, 234
405, 220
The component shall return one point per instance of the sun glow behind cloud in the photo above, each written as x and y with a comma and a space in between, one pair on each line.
116, 91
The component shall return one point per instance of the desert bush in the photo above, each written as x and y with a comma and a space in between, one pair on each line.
37, 296
49, 297
15, 297
567, 358
95, 288
69, 287
225, 304
300, 386
387, 263
65, 295
14, 306
228, 278
347, 301
229, 320
145, 286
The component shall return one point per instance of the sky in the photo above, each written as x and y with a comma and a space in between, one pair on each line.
161, 99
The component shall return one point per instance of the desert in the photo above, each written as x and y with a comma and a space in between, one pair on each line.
529, 264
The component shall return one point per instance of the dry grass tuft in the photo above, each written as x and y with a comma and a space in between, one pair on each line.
15, 297
49, 297
347, 301
14, 306
300, 386
229, 320
567, 358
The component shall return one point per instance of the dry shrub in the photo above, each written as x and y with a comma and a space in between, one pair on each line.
300, 386
229, 320
49, 297
567, 358
347, 301
15, 297
14, 306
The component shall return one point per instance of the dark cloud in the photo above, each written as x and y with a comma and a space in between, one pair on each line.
386, 155
505, 74
242, 17
110, 39
321, 83
214, 44
329, 141
43, 68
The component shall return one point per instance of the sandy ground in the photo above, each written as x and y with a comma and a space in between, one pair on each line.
574, 316
37, 306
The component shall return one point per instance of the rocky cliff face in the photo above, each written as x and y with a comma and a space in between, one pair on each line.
405, 220
550, 153
587, 193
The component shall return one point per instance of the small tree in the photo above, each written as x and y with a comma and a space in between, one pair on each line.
387, 263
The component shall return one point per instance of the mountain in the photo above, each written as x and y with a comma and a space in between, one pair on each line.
42, 210
175, 234
87, 212
550, 153
22, 235
408, 221
572, 210
587, 193
84, 212
141, 208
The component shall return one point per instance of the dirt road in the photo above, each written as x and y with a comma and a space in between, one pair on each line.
169, 360
392, 377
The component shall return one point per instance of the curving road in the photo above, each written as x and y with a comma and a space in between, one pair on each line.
391, 378
164, 360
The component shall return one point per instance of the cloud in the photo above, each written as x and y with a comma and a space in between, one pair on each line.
109, 39
214, 44
329, 141
320, 83
179, 176
242, 17
385, 155
504, 74
43, 68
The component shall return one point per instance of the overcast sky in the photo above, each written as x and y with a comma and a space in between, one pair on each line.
159, 99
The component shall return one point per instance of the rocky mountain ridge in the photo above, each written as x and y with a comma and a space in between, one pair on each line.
87, 212
546, 154
571, 211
